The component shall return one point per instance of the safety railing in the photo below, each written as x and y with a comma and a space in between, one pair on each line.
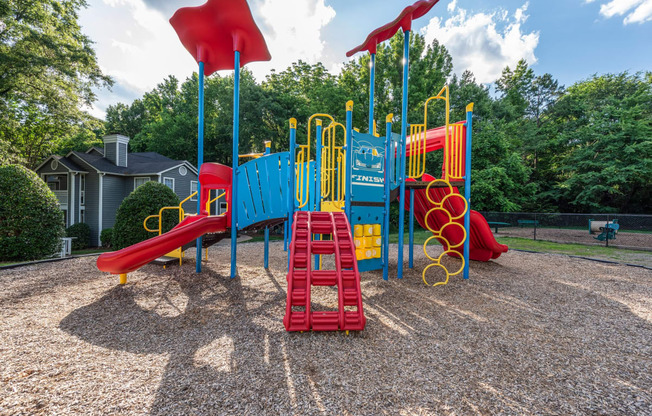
182, 215
455, 153
417, 158
332, 168
303, 157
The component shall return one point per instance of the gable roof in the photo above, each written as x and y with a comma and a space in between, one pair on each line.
67, 163
138, 163
99, 150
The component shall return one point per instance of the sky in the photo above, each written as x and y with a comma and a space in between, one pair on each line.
571, 39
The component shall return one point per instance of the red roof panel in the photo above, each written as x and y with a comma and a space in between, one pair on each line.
213, 31
403, 21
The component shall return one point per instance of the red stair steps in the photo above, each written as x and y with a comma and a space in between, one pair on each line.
301, 277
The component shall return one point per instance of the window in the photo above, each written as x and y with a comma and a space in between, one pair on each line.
140, 181
54, 164
65, 216
169, 182
82, 215
57, 182
183, 171
193, 189
82, 190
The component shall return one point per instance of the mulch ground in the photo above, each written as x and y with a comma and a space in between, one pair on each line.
527, 334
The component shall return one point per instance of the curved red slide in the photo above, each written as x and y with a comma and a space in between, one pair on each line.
133, 257
483, 245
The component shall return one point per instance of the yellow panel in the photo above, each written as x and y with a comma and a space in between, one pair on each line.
368, 230
376, 229
359, 254
359, 243
330, 206
357, 230
377, 240
369, 242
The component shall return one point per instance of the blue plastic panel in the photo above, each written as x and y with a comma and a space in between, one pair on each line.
263, 189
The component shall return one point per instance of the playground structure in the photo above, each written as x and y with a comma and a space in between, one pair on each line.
335, 200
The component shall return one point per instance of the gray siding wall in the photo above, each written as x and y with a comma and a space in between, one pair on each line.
182, 187
110, 152
122, 154
116, 188
61, 169
92, 199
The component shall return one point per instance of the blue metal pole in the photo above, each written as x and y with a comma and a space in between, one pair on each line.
401, 202
200, 156
349, 160
317, 192
411, 250
266, 260
234, 181
372, 76
467, 188
292, 174
285, 235
388, 157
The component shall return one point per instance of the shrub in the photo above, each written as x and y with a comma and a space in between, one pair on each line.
31, 223
82, 232
144, 201
106, 237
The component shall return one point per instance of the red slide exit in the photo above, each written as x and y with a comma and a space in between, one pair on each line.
483, 245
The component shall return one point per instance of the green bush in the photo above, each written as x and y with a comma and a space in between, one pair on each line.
144, 201
106, 237
31, 223
82, 232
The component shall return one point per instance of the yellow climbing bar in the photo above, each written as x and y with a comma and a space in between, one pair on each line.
417, 158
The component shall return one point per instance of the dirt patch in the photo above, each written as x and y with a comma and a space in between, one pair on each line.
527, 334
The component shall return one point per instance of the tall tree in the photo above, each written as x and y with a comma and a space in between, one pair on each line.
606, 125
48, 70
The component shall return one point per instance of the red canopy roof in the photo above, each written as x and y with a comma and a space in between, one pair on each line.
403, 21
214, 31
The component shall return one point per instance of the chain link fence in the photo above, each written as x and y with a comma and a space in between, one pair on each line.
627, 231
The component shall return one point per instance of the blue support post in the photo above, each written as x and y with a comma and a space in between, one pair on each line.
266, 260
349, 160
317, 189
411, 251
467, 187
285, 235
200, 156
372, 76
292, 175
401, 202
234, 180
388, 157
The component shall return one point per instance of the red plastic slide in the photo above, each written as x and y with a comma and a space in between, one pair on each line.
483, 245
131, 258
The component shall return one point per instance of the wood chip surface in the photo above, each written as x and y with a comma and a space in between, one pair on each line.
527, 334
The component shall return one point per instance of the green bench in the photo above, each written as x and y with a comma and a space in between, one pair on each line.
523, 223
495, 225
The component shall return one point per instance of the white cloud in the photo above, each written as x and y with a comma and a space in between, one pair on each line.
292, 29
636, 11
484, 43
137, 46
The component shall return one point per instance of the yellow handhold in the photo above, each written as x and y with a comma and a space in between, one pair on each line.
123, 279
349, 105
389, 118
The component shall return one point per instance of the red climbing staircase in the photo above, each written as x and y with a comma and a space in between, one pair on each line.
301, 277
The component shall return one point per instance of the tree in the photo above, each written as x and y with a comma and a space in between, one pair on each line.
48, 70
605, 123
